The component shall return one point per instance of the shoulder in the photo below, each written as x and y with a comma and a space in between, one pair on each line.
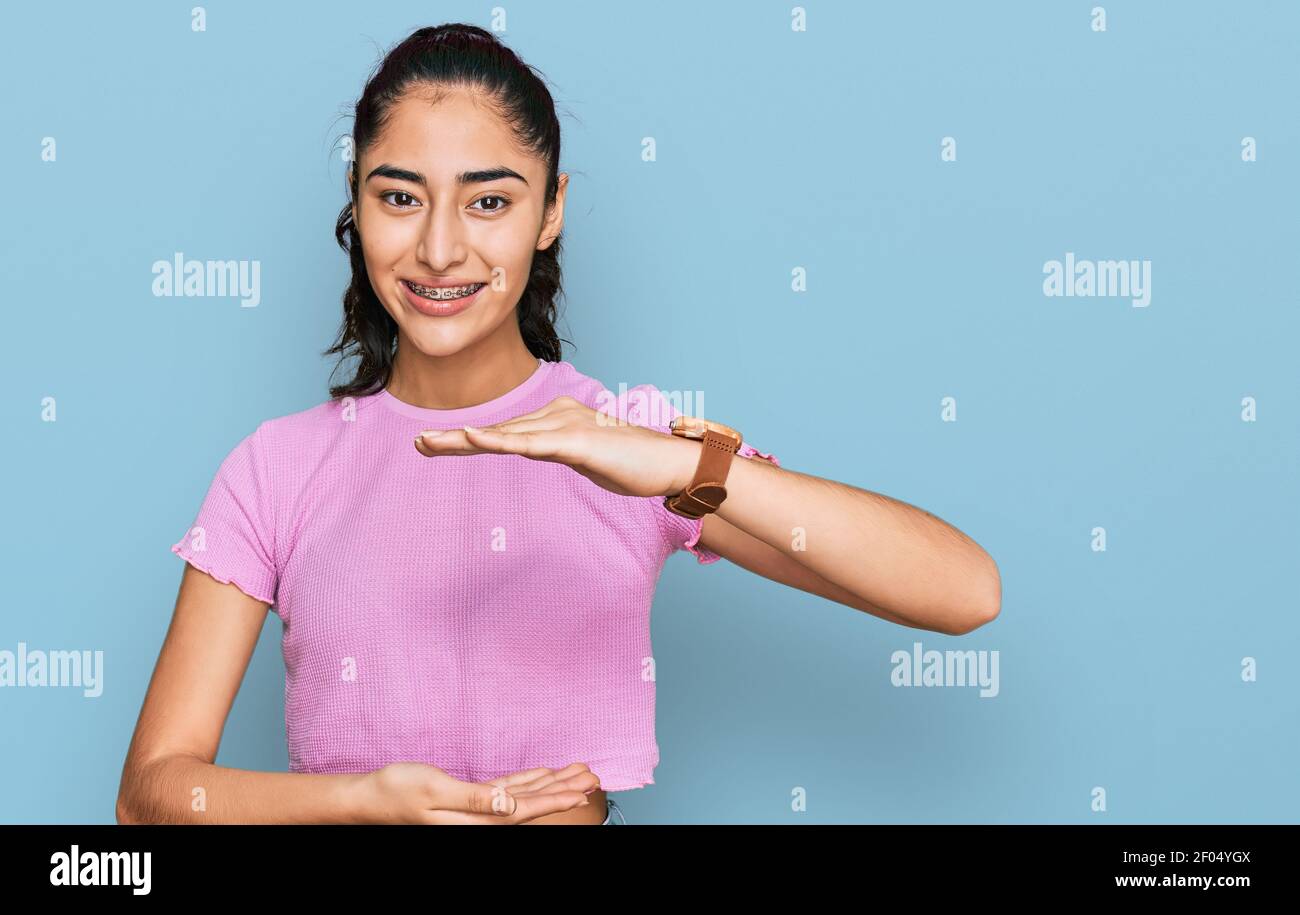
306, 420
295, 439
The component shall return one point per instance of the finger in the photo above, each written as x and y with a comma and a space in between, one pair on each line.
532, 784
531, 425
571, 769
586, 782
450, 441
582, 781
538, 805
495, 799
477, 798
532, 793
529, 808
532, 779
549, 779
529, 444
519, 778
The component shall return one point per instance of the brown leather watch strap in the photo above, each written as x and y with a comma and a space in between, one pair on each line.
707, 489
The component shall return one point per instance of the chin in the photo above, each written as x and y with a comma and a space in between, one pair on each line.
439, 344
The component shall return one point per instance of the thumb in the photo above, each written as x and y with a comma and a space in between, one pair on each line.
471, 797
499, 800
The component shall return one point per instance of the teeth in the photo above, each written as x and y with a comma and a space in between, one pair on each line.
445, 292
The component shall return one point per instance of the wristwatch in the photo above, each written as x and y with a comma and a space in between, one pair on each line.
706, 491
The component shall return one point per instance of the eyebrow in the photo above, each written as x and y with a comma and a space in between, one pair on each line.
478, 176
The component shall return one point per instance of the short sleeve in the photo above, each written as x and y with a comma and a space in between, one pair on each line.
233, 536
646, 406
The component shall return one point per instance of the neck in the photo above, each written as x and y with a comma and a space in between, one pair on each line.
461, 379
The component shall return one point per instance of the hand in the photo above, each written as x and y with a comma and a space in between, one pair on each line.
622, 457
411, 792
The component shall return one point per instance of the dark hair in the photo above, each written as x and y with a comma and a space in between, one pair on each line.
453, 55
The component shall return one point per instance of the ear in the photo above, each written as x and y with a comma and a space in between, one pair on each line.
554, 221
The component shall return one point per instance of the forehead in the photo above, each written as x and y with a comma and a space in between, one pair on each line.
448, 133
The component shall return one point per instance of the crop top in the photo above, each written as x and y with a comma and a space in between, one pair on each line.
482, 613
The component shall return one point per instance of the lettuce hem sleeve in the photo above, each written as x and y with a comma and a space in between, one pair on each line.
239, 581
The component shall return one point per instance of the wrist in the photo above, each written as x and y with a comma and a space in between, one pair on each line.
686, 458
354, 798
705, 490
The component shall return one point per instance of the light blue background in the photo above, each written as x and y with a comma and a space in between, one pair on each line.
776, 149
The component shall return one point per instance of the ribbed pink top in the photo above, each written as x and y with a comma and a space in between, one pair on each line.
482, 613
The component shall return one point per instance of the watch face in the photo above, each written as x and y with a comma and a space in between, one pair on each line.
694, 427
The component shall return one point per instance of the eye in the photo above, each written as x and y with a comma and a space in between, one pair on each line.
386, 194
493, 209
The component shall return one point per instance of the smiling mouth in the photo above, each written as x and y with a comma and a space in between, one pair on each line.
443, 293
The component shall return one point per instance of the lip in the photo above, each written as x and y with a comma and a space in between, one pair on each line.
440, 309
440, 282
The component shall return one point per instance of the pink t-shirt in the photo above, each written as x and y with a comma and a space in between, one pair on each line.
482, 613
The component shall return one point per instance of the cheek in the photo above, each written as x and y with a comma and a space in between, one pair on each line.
510, 249
384, 243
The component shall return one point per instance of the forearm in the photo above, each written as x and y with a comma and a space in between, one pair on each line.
886, 552
186, 789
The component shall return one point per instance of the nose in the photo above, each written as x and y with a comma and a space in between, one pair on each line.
442, 241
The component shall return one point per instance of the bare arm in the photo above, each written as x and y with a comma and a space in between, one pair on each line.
169, 775
748, 552
890, 558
